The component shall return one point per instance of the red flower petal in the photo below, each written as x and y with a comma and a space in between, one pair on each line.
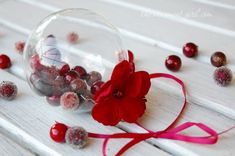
107, 111
104, 91
120, 73
132, 109
138, 84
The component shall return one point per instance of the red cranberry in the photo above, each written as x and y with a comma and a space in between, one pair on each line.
71, 75
223, 76
8, 90
190, 49
78, 86
218, 59
72, 37
93, 77
35, 63
64, 69
19, 46
76, 137
5, 61
81, 71
49, 73
173, 63
96, 86
58, 131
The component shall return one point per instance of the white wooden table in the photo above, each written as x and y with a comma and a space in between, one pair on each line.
153, 29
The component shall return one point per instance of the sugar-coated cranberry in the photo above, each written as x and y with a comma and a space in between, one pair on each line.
72, 37
223, 76
64, 69
69, 101
96, 86
71, 75
49, 73
58, 132
218, 59
173, 63
19, 46
35, 63
93, 77
81, 71
5, 61
76, 137
78, 86
8, 90
53, 100
190, 49
60, 86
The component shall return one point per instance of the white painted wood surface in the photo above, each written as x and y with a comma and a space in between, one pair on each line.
27, 120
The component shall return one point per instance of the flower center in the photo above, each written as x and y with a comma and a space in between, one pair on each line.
118, 94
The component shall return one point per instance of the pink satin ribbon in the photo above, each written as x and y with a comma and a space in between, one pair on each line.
171, 132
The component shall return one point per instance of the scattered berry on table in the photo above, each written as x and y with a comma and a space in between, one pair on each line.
19, 46
58, 131
190, 49
173, 62
76, 137
5, 61
72, 37
223, 76
8, 90
218, 59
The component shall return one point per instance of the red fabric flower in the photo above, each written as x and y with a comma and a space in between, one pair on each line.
122, 97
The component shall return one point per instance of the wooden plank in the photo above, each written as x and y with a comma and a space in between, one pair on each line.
10, 148
162, 112
226, 4
196, 78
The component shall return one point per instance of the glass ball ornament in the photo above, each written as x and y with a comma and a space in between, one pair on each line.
72, 45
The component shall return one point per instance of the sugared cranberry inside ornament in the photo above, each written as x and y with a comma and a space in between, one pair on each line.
173, 62
5, 61
93, 77
190, 49
81, 71
8, 90
70, 101
19, 46
58, 131
96, 86
223, 76
76, 137
218, 59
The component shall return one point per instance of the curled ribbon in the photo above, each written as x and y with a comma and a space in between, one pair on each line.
171, 132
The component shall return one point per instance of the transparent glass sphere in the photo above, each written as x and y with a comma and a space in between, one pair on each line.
73, 50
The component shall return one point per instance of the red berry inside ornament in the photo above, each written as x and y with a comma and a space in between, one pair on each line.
19, 46
5, 61
64, 69
58, 131
173, 63
96, 86
35, 63
71, 75
190, 49
81, 71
